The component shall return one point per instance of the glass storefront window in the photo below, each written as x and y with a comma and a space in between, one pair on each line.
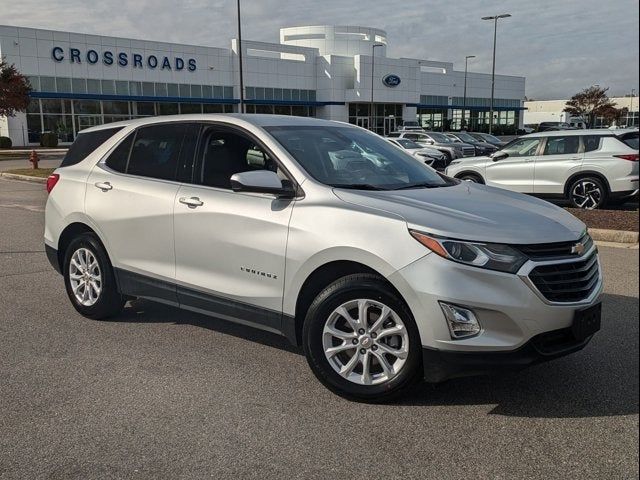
148, 90
87, 121
61, 125
35, 82
34, 127
55, 105
161, 89
93, 86
218, 92
167, 108
34, 106
115, 108
173, 90
196, 91
79, 85
207, 91
135, 89
111, 118
86, 106
47, 84
227, 92
282, 110
212, 108
264, 109
144, 108
186, 108
63, 85
108, 87
122, 87
185, 90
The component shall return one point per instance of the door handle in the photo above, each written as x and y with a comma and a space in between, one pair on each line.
191, 202
528, 160
104, 186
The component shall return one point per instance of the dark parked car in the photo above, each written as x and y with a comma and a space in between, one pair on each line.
488, 138
482, 147
552, 126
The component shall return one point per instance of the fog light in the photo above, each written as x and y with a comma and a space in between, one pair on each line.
462, 322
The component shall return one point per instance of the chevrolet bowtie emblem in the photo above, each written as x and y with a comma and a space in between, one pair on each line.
578, 248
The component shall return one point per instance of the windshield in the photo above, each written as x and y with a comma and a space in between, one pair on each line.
440, 138
408, 143
491, 138
465, 137
353, 158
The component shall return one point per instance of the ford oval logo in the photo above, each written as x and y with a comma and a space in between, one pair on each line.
391, 80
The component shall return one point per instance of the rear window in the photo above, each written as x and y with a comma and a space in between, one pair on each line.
631, 139
86, 143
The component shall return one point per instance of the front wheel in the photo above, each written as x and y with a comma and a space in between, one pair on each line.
89, 279
361, 341
588, 193
470, 177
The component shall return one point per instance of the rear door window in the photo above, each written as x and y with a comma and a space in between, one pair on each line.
163, 151
591, 143
562, 145
86, 143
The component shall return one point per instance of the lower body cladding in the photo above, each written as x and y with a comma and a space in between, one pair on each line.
516, 325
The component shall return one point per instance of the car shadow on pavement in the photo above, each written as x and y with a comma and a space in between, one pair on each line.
144, 311
599, 381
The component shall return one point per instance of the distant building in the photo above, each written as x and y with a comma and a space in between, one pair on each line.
538, 111
81, 80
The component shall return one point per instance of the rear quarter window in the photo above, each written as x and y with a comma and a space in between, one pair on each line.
631, 139
86, 143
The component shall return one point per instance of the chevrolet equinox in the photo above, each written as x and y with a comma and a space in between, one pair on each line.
383, 270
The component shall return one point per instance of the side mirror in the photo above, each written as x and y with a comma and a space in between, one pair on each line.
499, 155
262, 181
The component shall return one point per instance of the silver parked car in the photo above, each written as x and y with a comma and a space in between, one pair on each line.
380, 268
430, 156
590, 168
441, 142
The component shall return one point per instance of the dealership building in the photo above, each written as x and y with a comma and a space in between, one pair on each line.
331, 72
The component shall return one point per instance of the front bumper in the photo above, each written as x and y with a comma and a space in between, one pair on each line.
440, 365
514, 316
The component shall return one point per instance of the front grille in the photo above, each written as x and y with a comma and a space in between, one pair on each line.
468, 151
549, 251
567, 282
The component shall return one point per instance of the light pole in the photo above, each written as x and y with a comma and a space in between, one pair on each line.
464, 98
493, 68
242, 109
633, 118
373, 64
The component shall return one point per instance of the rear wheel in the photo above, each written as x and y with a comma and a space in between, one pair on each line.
588, 193
361, 341
89, 279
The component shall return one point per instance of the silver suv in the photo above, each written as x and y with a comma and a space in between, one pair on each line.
439, 141
380, 268
590, 168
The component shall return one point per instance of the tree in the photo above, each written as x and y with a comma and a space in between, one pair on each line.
590, 103
14, 90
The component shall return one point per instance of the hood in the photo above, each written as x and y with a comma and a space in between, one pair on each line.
469, 211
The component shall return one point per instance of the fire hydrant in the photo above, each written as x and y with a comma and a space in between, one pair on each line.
34, 159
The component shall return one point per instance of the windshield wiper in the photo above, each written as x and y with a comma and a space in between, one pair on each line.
357, 186
419, 185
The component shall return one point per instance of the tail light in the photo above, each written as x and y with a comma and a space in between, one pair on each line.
632, 157
51, 181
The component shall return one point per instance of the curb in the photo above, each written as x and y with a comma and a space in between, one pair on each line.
613, 236
25, 178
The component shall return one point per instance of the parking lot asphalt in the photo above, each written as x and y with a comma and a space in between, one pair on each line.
162, 393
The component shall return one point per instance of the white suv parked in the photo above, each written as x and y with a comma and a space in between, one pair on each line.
590, 168
382, 269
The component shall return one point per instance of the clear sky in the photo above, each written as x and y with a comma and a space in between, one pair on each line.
560, 46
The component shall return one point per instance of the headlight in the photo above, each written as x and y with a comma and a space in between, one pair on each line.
492, 256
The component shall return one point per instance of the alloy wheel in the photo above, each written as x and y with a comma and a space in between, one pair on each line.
85, 277
365, 342
586, 194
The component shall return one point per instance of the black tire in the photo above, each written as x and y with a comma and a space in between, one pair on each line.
351, 287
470, 177
589, 189
109, 302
